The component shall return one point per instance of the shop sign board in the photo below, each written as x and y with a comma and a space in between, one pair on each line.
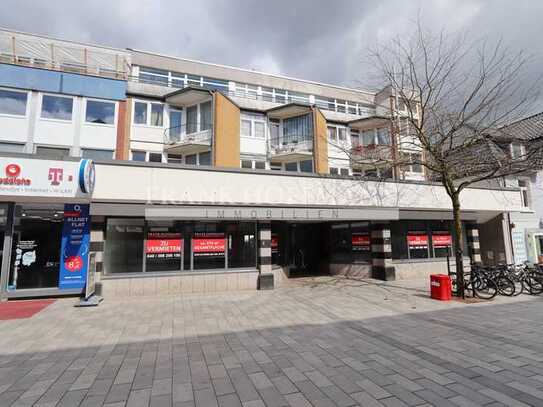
209, 246
417, 241
360, 241
75, 245
30, 177
274, 243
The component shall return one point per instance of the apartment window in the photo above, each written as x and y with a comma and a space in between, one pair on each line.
194, 80
291, 167
153, 75
414, 159
215, 84
192, 119
245, 128
306, 166
176, 117
157, 113
342, 134
57, 107
140, 113
253, 125
52, 152
191, 159
344, 172
260, 165
138, 155
517, 150
246, 164
95, 154
383, 136
368, 137
333, 171
523, 185
205, 116
355, 138
100, 112
296, 129
331, 133
155, 157
11, 148
12, 102
276, 166
205, 158
175, 158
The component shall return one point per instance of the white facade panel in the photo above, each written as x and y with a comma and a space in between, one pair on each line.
98, 136
13, 128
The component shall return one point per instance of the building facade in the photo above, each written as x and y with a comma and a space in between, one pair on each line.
208, 176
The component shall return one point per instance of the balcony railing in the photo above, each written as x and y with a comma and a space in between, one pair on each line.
290, 148
41, 52
188, 138
362, 155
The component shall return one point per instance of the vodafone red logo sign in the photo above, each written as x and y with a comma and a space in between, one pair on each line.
73, 263
13, 170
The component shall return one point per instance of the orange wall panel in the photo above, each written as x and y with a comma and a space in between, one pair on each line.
226, 132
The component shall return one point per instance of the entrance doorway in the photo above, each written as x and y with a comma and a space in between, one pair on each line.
307, 250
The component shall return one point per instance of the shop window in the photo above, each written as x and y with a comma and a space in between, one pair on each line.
340, 243
35, 261
360, 242
442, 243
208, 246
163, 247
124, 245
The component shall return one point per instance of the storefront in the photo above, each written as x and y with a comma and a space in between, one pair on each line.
44, 226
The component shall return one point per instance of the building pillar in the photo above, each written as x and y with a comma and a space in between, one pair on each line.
264, 247
472, 238
97, 241
381, 252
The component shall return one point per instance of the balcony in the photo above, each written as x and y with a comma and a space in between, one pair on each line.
285, 150
371, 155
185, 139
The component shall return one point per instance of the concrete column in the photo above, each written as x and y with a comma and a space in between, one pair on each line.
381, 252
472, 237
264, 247
97, 241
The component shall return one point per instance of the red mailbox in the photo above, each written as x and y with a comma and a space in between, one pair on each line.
440, 287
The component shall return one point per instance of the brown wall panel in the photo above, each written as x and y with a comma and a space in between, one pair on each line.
123, 130
226, 132
320, 150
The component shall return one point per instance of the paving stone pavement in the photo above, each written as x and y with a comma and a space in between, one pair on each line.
318, 342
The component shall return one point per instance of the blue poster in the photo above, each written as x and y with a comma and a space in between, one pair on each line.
74, 247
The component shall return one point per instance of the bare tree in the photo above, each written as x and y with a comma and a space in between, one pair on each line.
451, 97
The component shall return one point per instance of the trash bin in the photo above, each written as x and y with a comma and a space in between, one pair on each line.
440, 287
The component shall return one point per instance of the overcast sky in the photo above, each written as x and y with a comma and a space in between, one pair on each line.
320, 40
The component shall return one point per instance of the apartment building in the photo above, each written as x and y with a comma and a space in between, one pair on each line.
207, 176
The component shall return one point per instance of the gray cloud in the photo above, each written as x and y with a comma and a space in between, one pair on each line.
318, 40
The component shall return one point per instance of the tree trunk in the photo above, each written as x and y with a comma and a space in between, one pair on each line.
458, 244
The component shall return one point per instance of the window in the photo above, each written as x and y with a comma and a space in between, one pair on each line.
152, 75
344, 171
368, 137
205, 158
306, 166
205, 116
53, 152
342, 134
176, 117
56, 107
175, 158
331, 133
383, 136
155, 157
191, 159
123, 251
138, 155
100, 112
192, 119
355, 138
523, 185
414, 159
246, 164
333, 171
11, 147
517, 150
157, 112
246, 128
96, 154
276, 166
291, 167
297, 129
140, 113
260, 130
260, 165
12, 102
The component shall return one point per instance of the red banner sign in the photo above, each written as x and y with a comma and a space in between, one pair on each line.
417, 241
274, 243
163, 242
213, 245
360, 241
444, 240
